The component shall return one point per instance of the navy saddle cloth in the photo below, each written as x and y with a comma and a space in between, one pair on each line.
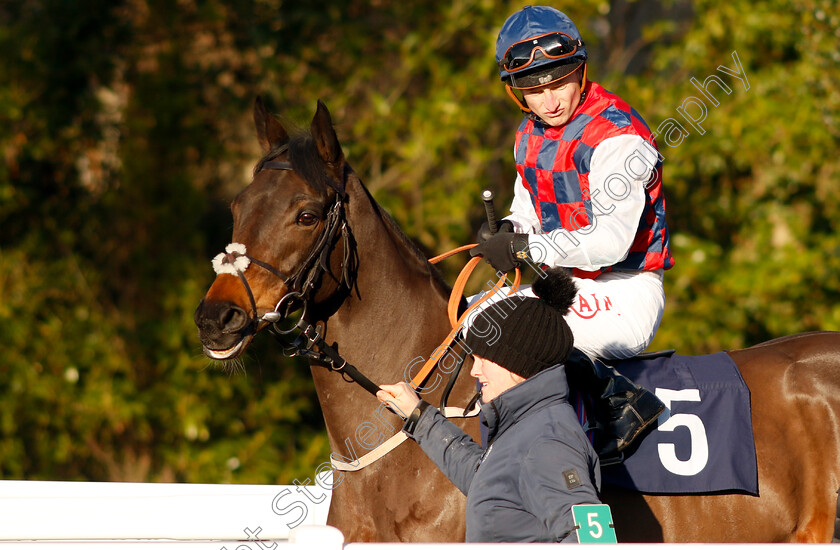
703, 442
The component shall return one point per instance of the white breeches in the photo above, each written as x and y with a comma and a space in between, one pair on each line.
614, 316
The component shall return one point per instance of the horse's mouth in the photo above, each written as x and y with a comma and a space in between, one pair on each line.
229, 353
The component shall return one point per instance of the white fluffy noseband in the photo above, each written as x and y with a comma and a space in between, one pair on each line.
233, 260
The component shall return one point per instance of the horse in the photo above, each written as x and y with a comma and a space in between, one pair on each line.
307, 230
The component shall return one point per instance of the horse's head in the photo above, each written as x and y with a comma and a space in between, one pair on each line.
287, 225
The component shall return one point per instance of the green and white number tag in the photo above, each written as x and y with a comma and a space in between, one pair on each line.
593, 523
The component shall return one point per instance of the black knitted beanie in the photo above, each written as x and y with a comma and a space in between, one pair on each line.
527, 335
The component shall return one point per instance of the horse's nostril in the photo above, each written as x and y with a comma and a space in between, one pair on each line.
232, 319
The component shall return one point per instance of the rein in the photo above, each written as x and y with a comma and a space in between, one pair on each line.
310, 343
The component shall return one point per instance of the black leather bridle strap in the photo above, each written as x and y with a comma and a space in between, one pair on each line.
270, 268
310, 337
277, 165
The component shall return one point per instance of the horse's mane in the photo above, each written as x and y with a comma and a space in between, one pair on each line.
401, 238
409, 244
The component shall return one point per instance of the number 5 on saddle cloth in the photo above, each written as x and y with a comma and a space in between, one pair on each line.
703, 442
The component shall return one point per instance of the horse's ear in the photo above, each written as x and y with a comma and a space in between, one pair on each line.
270, 132
327, 141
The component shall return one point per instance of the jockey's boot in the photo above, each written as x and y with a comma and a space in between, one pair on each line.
622, 409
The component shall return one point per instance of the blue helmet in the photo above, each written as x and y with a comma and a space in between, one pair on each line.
538, 45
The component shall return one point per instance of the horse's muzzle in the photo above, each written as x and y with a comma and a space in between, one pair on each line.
224, 328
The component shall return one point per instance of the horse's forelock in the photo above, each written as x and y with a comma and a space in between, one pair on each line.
307, 163
304, 158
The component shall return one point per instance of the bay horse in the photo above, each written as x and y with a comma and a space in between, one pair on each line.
307, 227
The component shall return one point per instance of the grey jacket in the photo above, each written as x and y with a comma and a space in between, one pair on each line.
537, 465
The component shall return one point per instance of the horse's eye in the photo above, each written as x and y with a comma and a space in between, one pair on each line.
307, 218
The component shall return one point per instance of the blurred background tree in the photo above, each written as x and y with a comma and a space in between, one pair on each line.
125, 131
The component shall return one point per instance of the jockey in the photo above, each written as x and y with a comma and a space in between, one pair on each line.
588, 197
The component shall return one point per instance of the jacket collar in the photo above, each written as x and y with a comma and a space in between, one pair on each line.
541, 390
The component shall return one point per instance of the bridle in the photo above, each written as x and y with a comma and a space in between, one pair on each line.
300, 284
309, 342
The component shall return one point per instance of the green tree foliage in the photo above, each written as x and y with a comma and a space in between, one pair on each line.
125, 130
752, 201
122, 134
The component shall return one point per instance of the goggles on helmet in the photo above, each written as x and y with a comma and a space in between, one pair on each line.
554, 45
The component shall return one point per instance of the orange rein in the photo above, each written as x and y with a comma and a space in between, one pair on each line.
454, 302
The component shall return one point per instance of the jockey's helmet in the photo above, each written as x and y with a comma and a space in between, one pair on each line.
536, 46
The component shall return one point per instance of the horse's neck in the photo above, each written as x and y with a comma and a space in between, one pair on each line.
398, 315
399, 293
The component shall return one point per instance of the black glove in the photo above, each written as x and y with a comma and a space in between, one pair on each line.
504, 226
503, 251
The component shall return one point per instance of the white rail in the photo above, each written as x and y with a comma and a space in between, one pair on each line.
73, 511
41, 515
